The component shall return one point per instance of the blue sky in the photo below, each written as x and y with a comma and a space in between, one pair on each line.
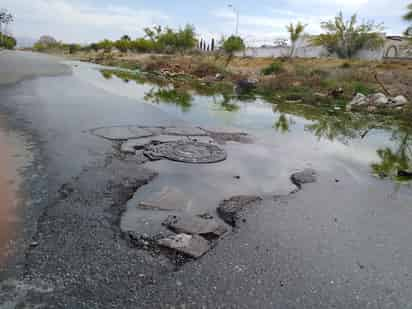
260, 21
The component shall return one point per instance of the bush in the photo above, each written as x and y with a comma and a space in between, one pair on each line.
122, 45
359, 87
233, 44
7, 42
275, 67
346, 38
142, 45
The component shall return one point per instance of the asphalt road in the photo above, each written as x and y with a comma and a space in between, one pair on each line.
334, 244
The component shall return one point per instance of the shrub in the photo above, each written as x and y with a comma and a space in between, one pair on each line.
346, 38
359, 87
7, 42
233, 44
143, 45
274, 67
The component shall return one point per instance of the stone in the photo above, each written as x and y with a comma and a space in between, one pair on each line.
378, 99
121, 133
219, 77
372, 109
186, 131
187, 152
308, 175
359, 99
231, 210
399, 100
168, 198
195, 225
192, 245
245, 85
336, 93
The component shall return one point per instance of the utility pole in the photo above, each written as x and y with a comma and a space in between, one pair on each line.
237, 18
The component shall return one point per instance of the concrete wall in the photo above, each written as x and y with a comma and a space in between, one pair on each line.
393, 47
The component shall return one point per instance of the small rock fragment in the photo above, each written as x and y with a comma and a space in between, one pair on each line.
230, 210
400, 100
195, 225
192, 245
306, 176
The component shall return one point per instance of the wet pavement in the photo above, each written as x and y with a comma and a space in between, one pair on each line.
342, 242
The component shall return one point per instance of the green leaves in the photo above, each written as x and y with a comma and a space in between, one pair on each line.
233, 44
408, 15
346, 38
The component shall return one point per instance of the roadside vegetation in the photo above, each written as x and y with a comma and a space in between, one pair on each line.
6, 40
178, 58
346, 38
408, 17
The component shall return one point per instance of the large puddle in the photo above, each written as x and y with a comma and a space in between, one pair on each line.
374, 145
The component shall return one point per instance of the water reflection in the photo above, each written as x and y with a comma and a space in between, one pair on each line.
217, 103
396, 162
170, 95
283, 124
225, 103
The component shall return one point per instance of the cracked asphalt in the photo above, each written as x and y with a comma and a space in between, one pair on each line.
344, 244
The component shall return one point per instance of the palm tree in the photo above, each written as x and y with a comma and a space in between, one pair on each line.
408, 17
295, 31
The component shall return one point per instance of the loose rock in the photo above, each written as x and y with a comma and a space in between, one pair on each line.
306, 176
192, 245
195, 225
231, 210
245, 85
374, 101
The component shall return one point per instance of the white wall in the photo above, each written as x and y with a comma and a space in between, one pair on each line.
305, 50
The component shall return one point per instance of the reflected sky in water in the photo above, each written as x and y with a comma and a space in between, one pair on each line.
373, 143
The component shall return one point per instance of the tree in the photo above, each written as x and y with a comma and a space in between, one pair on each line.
346, 38
212, 45
7, 41
294, 34
106, 45
408, 17
153, 33
46, 42
231, 45
5, 19
125, 38
122, 45
186, 38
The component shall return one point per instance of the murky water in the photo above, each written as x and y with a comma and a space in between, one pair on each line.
375, 145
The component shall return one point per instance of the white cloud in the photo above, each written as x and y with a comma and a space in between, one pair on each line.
263, 29
70, 21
